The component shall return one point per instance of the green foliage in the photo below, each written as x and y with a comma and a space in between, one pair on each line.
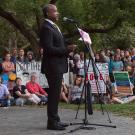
25, 11
95, 14
100, 14
123, 37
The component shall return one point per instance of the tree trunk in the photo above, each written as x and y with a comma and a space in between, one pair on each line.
28, 34
33, 38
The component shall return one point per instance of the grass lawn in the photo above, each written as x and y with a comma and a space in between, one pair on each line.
120, 109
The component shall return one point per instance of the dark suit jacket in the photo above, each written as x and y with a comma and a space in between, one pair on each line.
55, 53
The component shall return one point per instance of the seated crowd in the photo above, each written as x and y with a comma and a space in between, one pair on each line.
12, 92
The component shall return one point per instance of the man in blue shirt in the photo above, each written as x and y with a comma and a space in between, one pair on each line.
4, 95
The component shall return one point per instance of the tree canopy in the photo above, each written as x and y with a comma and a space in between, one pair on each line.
109, 22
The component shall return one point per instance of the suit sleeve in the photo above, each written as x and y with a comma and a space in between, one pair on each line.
46, 41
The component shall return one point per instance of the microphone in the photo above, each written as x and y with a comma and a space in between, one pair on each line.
65, 19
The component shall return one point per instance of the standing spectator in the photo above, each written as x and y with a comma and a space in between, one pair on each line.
108, 52
21, 95
77, 64
4, 95
128, 62
81, 69
14, 56
103, 57
127, 59
97, 57
110, 66
127, 54
30, 56
122, 54
133, 64
21, 56
35, 88
133, 72
7, 65
118, 51
40, 56
133, 52
117, 64
8, 69
0, 68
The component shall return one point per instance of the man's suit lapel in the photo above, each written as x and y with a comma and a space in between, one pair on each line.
54, 28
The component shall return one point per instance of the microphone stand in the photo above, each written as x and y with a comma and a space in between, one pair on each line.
88, 93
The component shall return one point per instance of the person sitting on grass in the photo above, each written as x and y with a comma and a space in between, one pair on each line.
75, 91
34, 88
122, 98
4, 95
21, 95
64, 92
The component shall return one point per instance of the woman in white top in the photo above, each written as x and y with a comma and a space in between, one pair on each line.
75, 91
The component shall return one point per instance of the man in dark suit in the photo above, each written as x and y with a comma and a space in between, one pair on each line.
54, 63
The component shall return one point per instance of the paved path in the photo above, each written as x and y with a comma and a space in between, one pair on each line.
32, 121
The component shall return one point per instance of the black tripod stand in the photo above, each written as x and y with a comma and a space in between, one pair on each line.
88, 94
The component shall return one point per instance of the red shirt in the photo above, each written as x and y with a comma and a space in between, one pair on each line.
35, 88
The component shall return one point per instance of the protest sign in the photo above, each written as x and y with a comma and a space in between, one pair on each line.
103, 69
24, 71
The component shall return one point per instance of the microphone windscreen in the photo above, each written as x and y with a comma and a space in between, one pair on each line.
64, 19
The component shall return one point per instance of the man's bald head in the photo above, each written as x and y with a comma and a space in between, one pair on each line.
50, 12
